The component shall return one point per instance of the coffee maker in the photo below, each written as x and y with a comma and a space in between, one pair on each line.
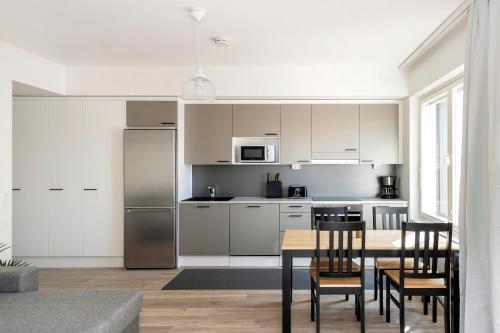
388, 187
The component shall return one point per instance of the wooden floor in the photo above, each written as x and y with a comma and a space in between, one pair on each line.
233, 310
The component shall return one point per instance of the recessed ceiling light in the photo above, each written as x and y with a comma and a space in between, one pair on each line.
222, 41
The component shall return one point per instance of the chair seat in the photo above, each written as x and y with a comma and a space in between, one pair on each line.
394, 263
339, 282
416, 283
324, 264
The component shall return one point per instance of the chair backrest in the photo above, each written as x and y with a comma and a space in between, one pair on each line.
340, 256
328, 214
427, 252
390, 217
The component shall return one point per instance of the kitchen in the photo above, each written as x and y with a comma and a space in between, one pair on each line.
210, 197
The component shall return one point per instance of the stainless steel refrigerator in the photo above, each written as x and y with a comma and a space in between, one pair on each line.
150, 188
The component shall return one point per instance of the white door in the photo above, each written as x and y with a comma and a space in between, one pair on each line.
30, 178
65, 192
103, 124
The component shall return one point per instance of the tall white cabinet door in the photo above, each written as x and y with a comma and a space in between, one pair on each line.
335, 131
65, 156
295, 134
103, 124
30, 178
379, 133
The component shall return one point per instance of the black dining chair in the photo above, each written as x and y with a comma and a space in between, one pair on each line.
338, 274
428, 280
330, 214
386, 218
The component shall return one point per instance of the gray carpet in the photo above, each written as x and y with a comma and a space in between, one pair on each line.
242, 278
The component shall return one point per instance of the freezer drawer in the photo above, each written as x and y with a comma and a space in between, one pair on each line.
149, 238
254, 229
149, 168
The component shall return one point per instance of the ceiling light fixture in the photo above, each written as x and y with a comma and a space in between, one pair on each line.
198, 86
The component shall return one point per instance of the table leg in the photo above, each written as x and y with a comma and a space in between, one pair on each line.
286, 285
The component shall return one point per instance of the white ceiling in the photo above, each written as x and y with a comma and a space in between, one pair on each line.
264, 32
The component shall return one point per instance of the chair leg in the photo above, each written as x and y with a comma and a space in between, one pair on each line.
291, 280
375, 282
356, 308
381, 287
410, 298
362, 310
447, 314
312, 300
434, 309
317, 313
387, 300
401, 312
426, 305
346, 297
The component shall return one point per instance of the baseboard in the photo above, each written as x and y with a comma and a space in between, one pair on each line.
203, 261
74, 262
254, 261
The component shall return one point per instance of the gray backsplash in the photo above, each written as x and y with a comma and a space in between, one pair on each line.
321, 180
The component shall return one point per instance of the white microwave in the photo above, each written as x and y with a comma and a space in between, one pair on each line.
257, 154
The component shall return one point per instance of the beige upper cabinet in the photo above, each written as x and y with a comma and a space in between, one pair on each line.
151, 113
295, 138
335, 131
208, 134
256, 120
379, 133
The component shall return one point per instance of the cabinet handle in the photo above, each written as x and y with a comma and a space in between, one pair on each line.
271, 134
351, 149
168, 123
202, 206
304, 161
222, 161
55, 189
16, 189
295, 215
256, 206
295, 206
367, 161
90, 189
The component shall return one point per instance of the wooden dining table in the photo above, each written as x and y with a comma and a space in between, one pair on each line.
378, 244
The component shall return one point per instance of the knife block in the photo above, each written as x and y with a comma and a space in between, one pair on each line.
274, 189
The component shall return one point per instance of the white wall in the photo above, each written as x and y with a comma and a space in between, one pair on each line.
21, 66
445, 56
329, 82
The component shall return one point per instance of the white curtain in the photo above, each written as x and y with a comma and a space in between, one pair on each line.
479, 212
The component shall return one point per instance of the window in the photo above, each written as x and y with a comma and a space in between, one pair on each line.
440, 152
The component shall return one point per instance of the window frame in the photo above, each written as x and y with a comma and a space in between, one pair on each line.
446, 88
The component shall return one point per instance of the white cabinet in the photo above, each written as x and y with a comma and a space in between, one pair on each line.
335, 131
102, 185
30, 180
65, 176
379, 133
295, 143
68, 177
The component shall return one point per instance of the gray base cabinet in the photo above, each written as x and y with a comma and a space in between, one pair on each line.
255, 229
204, 229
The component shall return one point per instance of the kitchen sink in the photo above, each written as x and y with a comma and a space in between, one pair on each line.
209, 199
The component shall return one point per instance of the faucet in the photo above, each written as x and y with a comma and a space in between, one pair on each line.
211, 192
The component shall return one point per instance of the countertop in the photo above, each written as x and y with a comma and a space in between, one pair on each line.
343, 201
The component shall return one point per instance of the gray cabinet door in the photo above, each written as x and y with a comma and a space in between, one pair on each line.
256, 120
208, 134
204, 229
151, 113
335, 131
295, 142
379, 133
254, 229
